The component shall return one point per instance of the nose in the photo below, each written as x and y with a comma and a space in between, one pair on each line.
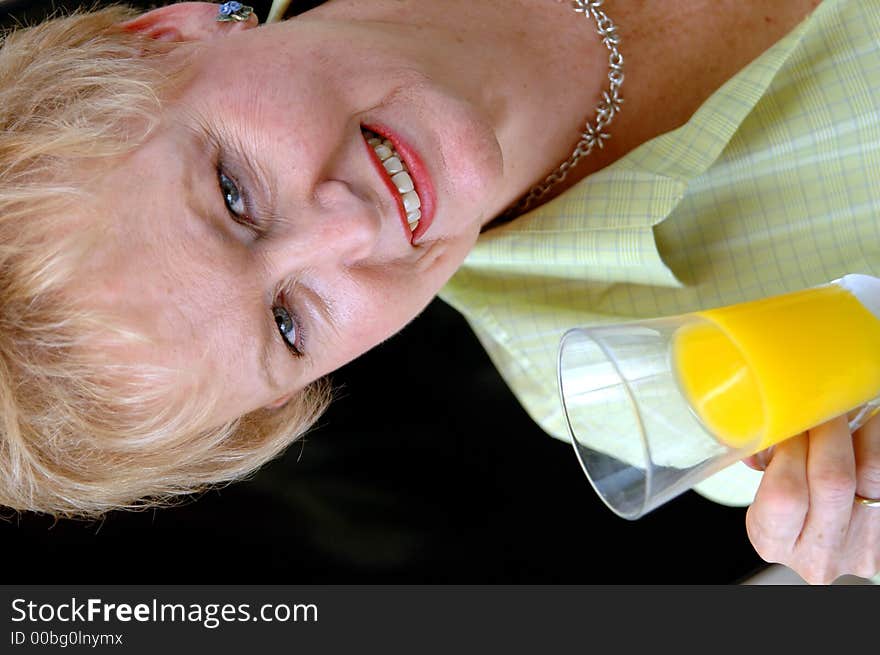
336, 228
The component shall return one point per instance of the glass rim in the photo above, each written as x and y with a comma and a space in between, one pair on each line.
642, 507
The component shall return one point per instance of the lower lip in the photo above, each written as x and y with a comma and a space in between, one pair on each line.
419, 173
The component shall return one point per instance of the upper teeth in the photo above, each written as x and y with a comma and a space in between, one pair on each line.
396, 170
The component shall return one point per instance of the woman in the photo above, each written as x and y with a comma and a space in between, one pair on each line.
201, 220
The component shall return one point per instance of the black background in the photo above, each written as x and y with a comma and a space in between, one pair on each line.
426, 470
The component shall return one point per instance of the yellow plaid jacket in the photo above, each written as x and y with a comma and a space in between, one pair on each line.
773, 185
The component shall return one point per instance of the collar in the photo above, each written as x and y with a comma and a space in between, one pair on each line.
601, 229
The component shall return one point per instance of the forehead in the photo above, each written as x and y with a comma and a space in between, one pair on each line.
150, 233
158, 264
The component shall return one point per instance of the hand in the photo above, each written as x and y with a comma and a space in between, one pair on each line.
804, 514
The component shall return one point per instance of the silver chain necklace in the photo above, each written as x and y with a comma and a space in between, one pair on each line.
594, 131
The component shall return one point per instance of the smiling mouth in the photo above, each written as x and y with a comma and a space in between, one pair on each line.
398, 176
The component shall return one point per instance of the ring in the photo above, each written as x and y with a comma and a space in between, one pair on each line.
236, 11
868, 502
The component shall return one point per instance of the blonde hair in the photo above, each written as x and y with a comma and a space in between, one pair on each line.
79, 435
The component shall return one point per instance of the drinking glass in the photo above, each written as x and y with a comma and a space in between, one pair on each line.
656, 406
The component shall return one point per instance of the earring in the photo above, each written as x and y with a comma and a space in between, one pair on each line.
234, 11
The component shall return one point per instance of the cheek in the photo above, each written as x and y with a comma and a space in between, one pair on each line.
371, 306
399, 303
369, 314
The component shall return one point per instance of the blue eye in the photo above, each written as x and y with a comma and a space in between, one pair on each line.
288, 328
232, 197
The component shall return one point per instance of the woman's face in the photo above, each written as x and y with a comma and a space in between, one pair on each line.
258, 239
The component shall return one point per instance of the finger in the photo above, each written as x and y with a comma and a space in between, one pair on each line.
864, 532
866, 445
775, 520
863, 553
831, 474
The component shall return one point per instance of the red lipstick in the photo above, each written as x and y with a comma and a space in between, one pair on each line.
417, 171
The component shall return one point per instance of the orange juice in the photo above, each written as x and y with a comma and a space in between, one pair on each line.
759, 372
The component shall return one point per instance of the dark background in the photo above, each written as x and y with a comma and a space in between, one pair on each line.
426, 470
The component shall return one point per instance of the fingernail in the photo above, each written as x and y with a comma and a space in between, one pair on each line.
752, 462
765, 456
760, 460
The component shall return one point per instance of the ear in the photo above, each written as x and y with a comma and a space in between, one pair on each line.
186, 21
